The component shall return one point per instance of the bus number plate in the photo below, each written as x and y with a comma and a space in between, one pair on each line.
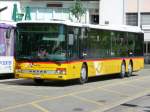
37, 76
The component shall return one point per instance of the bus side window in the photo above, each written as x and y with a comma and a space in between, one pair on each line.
71, 39
73, 36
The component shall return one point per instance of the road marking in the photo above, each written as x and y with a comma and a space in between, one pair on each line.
78, 92
112, 105
40, 107
116, 92
22, 92
136, 86
14, 107
87, 100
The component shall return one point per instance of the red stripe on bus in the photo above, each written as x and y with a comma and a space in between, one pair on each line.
88, 60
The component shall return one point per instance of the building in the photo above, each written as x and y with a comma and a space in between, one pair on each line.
117, 12
97, 11
48, 9
111, 12
8, 5
138, 14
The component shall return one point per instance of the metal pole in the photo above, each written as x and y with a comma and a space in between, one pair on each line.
139, 11
100, 11
124, 14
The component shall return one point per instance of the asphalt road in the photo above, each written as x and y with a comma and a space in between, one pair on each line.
141, 104
110, 94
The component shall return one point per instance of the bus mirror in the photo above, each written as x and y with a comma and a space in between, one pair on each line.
71, 39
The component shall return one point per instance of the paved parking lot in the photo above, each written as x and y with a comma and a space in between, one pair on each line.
141, 104
102, 94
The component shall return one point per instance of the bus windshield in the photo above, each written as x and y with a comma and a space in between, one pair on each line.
41, 42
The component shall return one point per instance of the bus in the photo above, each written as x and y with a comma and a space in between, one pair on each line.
7, 36
62, 50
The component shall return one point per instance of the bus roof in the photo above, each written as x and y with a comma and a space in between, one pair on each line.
69, 23
7, 24
125, 28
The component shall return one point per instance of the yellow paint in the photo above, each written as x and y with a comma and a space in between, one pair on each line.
95, 68
40, 107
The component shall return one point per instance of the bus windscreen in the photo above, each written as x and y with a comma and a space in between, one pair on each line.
41, 42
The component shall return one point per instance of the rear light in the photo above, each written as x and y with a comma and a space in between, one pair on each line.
61, 71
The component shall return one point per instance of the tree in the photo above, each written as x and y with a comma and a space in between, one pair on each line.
77, 10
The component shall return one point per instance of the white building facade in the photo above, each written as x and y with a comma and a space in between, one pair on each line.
6, 14
111, 12
138, 14
96, 11
48, 9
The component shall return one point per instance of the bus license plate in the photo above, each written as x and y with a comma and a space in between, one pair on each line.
37, 76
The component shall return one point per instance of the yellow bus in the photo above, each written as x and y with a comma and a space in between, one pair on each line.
62, 50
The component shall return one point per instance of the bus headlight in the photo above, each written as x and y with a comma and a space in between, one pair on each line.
18, 70
61, 71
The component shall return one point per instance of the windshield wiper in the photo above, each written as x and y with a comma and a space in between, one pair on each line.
24, 58
36, 59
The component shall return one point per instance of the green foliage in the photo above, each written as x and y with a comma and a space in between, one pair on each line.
77, 10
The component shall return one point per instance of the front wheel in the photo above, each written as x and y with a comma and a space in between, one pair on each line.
83, 74
123, 70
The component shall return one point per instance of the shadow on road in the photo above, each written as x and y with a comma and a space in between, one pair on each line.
6, 76
29, 82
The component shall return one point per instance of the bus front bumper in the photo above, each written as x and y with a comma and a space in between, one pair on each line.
42, 76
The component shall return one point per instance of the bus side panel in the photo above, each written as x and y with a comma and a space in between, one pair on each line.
110, 66
73, 70
6, 49
104, 67
138, 63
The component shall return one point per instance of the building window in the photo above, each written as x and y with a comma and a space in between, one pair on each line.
132, 19
145, 18
94, 19
147, 52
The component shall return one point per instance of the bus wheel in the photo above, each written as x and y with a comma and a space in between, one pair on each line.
130, 69
123, 70
83, 74
39, 81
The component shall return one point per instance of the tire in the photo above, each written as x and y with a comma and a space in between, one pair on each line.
123, 70
39, 81
83, 74
130, 69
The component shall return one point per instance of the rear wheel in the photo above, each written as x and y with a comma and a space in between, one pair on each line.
83, 74
39, 81
130, 69
123, 70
